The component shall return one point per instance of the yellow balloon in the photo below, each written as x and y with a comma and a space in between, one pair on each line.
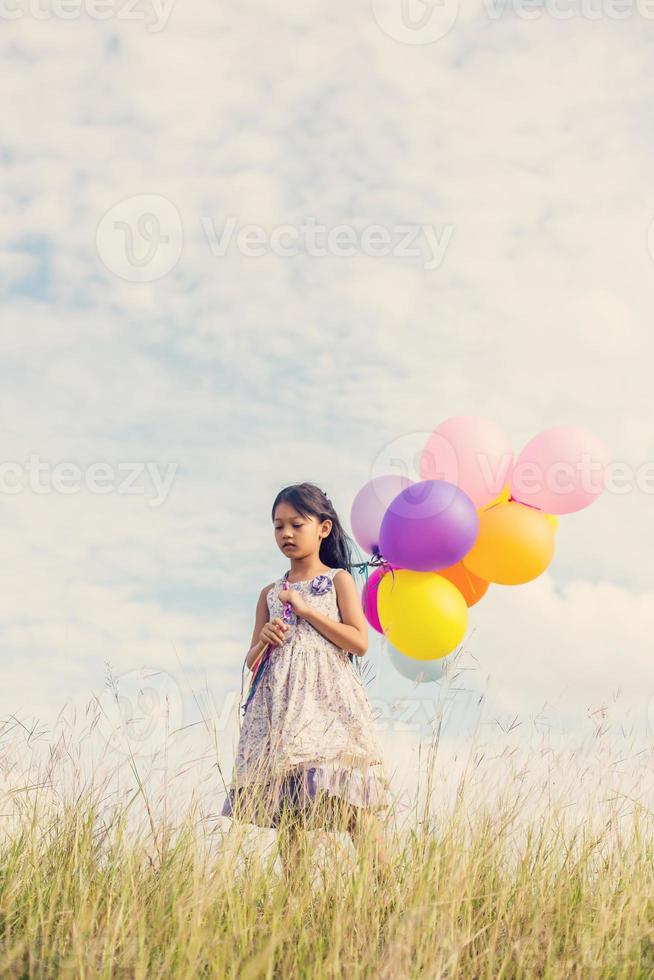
515, 544
423, 614
501, 498
552, 519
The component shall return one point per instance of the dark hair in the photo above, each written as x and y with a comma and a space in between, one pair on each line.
335, 549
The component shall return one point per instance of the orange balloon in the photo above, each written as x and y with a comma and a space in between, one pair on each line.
515, 544
471, 587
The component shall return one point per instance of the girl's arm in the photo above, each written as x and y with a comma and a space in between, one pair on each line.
261, 618
352, 633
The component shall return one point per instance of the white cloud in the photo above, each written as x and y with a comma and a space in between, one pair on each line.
566, 650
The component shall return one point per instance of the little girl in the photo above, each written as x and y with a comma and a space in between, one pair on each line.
307, 747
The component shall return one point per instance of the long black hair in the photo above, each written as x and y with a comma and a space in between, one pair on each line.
336, 548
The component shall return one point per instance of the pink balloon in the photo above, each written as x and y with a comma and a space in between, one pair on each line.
472, 453
370, 505
561, 470
369, 597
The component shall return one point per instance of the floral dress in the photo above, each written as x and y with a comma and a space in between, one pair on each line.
308, 730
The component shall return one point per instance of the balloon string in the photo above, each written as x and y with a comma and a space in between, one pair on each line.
471, 584
511, 499
377, 561
524, 504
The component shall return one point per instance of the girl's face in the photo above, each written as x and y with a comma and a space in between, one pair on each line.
303, 533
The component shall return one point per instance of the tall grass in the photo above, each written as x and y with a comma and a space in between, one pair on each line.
493, 878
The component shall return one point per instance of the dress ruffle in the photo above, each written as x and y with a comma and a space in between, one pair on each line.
304, 786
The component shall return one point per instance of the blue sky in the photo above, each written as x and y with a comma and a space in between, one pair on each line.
524, 144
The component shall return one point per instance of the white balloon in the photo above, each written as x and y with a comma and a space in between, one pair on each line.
420, 671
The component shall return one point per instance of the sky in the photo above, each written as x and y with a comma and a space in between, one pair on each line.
243, 246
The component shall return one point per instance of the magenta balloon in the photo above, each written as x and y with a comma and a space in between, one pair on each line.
430, 525
369, 507
369, 598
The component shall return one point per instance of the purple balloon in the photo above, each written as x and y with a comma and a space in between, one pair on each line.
429, 525
370, 505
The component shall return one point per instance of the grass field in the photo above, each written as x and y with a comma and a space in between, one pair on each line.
510, 883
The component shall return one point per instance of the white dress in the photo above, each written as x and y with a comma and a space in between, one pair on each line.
308, 729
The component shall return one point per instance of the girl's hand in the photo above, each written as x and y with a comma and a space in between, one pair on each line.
273, 632
295, 599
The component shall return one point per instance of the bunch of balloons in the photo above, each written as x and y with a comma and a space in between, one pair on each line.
478, 515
